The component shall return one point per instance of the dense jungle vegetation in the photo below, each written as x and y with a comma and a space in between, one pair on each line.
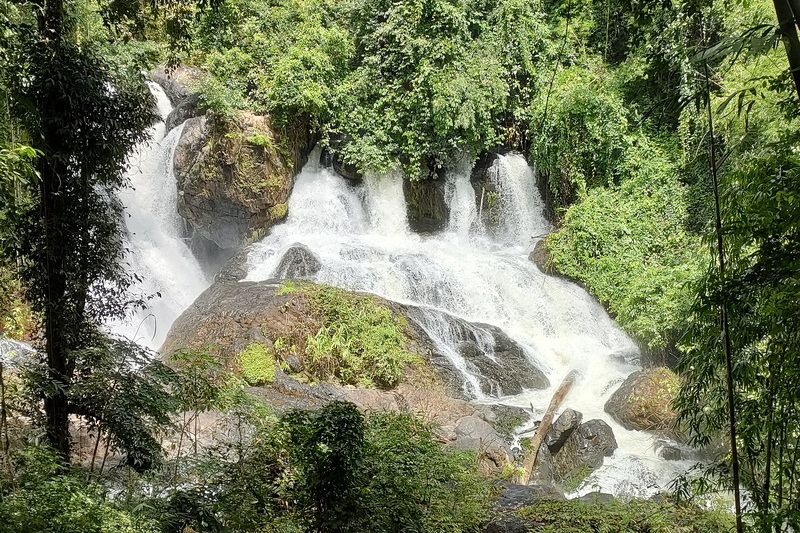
623, 106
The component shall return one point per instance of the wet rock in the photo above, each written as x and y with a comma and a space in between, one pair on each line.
233, 180
670, 453
505, 369
176, 81
541, 257
513, 496
330, 158
187, 108
584, 450
562, 428
644, 400
426, 206
299, 262
235, 268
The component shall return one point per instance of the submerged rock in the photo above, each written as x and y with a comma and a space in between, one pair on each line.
584, 450
644, 400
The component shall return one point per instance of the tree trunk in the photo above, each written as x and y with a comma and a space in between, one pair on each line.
788, 22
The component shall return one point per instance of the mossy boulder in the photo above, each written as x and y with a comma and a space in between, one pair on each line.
644, 400
255, 328
234, 175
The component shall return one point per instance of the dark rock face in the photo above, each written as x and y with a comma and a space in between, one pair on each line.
505, 369
644, 400
501, 364
329, 158
540, 256
513, 497
563, 427
232, 178
584, 449
299, 262
187, 108
235, 268
543, 471
426, 206
670, 453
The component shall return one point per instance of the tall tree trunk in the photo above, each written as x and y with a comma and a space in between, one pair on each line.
56, 404
788, 21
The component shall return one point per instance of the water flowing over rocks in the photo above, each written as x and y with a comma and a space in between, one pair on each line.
644, 400
299, 262
232, 177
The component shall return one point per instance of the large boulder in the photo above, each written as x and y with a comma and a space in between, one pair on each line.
229, 316
503, 369
234, 176
584, 450
644, 400
187, 108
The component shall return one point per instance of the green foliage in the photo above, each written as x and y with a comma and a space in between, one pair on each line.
637, 516
629, 245
360, 341
412, 82
258, 364
45, 498
336, 470
415, 484
582, 140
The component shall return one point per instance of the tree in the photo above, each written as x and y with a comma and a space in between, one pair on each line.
84, 119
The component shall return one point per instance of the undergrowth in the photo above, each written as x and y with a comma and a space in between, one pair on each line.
360, 342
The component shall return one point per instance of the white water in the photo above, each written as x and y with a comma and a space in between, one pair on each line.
170, 275
362, 237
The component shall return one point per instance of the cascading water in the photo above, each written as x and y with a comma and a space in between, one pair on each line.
170, 276
362, 238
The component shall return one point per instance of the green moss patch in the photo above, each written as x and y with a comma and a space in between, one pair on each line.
257, 363
360, 341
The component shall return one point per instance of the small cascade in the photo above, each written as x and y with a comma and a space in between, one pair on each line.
471, 292
170, 276
521, 210
460, 198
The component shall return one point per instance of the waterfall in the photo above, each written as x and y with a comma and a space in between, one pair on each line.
462, 274
170, 277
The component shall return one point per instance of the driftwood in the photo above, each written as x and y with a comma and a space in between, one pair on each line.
530, 457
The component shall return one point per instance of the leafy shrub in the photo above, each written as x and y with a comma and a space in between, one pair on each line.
582, 139
360, 341
337, 470
46, 497
629, 246
258, 364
